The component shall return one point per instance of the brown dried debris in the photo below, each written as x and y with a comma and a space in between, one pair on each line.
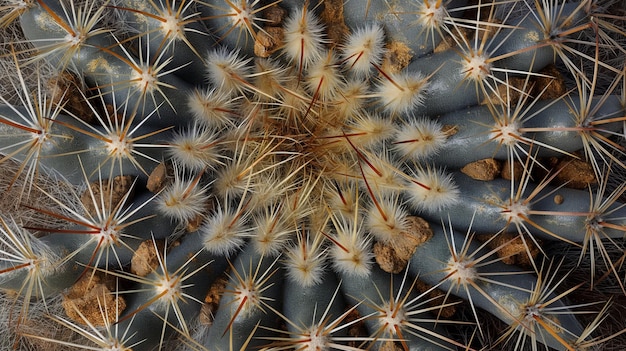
486, 169
393, 257
65, 90
554, 84
397, 57
268, 41
436, 298
274, 15
518, 170
332, 17
93, 296
575, 173
212, 300
160, 177
513, 250
145, 260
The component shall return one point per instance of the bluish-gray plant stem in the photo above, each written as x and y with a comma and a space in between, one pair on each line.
145, 316
549, 128
115, 74
305, 306
504, 295
379, 290
398, 21
187, 54
566, 218
234, 325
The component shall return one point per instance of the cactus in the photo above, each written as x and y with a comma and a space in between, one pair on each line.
303, 166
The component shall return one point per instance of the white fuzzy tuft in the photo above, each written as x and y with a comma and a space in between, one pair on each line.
184, 199
304, 38
382, 172
351, 100
323, 79
401, 92
419, 139
350, 251
431, 15
364, 48
196, 148
369, 131
305, 263
388, 222
431, 189
476, 67
271, 232
213, 108
224, 231
226, 70
462, 271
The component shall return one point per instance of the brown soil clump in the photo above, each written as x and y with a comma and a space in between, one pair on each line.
487, 169
393, 257
92, 299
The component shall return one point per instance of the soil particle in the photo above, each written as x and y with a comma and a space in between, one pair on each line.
576, 174
159, 177
393, 257
438, 298
212, 300
332, 17
145, 260
274, 15
518, 169
93, 296
65, 90
268, 41
554, 84
558, 199
512, 249
356, 330
486, 169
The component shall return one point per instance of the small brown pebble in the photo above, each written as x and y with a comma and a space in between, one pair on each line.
268, 41
551, 86
487, 169
158, 179
357, 329
65, 90
436, 298
393, 257
558, 199
512, 249
212, 300
92, 296
518, 170
332, 17
145, 259
274, 15
575, 173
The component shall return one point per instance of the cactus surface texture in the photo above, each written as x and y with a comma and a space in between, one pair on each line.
232, 175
